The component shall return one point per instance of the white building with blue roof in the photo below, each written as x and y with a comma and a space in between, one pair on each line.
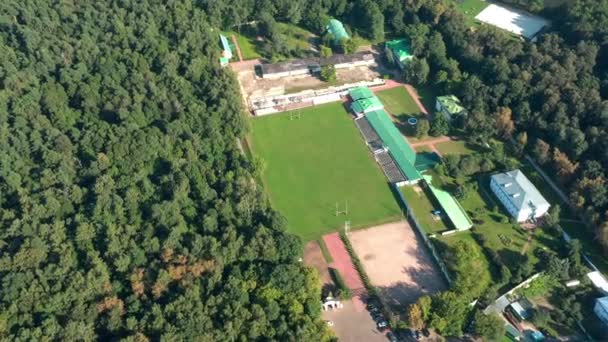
519, 196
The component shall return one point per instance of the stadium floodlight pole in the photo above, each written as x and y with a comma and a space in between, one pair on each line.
346, 227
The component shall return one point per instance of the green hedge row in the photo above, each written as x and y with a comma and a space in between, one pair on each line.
371, 290
340, 284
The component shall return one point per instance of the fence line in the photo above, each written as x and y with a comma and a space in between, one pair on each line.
412, 218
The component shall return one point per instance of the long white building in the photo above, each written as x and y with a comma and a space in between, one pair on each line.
519, 196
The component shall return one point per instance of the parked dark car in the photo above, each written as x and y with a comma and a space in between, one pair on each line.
378, 317
391, 337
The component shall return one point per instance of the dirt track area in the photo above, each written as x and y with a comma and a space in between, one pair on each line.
313, 257
397, 263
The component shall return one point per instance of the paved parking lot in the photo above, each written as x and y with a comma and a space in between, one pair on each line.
353, 325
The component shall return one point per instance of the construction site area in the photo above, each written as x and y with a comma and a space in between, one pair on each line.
271, 88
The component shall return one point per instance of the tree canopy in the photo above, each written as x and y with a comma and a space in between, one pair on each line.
127, 208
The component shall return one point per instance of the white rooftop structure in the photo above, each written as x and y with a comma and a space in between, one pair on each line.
598, 281
519, 196
513, 20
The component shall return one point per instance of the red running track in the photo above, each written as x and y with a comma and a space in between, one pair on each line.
342, 261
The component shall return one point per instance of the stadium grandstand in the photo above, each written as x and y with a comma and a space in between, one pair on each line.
455, 213
401, 152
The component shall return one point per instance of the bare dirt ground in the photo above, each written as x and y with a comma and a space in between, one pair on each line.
397, 263
351, 324
313, 257
254, 86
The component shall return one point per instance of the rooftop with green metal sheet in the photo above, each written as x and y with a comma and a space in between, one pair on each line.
359, 93
366, 105
337, 30
400, 48
451, 104
452, 208
400, 150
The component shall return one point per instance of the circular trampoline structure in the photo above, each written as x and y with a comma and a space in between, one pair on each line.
412, 121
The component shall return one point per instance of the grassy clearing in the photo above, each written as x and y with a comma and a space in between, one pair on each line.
423, 206
315, 161
471, 8
455, 147
427, 97
423, 148
398, 102
492, 222
246, 44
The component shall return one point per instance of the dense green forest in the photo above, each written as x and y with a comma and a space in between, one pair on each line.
126, 209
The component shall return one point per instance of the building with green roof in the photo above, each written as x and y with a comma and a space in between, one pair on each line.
399, 149
226, 51
337, 30
450, 205
398, 52
359, 93
449, 106
366, 105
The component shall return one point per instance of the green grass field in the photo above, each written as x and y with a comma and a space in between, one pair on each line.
247, 45
471, 8
398, 102
423, 207
315, 161
423, 148
455, 147
510, 242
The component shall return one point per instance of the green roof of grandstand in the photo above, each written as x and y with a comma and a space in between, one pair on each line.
367, 105
359, 93
426, 161
401, 151
452, 208
336, 28
401, 49
451, 103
